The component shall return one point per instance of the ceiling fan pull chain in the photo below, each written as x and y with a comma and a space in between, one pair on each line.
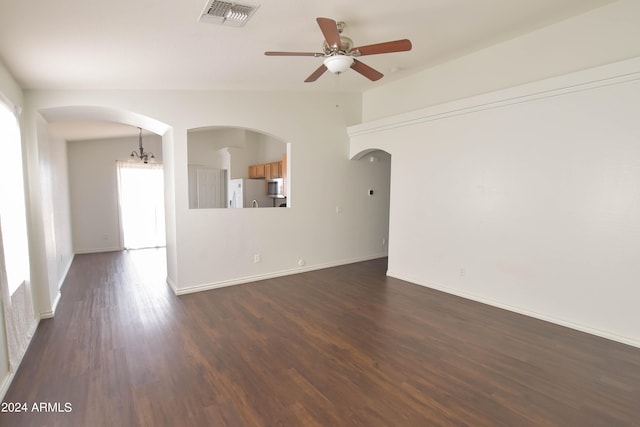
337, 90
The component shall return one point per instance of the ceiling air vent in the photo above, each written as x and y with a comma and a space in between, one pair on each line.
227, 13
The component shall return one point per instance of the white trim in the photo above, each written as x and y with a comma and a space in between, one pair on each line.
172, 285
97, 251
519, 310
258, 277
6, 383
606, 75
50, 313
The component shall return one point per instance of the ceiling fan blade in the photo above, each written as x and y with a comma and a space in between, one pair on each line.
293, 54
366, 71
386, 47
317, 73
329, 29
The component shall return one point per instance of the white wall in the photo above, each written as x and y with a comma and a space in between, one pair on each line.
56, 218
601, 36
216, 247
270, 149
94, 191
527, 198
9, 88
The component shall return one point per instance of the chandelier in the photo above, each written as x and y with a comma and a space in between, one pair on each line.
143, 156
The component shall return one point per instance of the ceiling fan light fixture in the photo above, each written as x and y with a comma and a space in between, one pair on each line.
338, 64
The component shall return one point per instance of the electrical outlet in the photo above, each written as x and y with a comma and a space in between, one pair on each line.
257, 258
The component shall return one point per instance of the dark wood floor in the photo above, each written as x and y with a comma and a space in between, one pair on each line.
345, 346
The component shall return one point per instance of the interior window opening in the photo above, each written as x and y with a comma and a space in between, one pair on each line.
235, 168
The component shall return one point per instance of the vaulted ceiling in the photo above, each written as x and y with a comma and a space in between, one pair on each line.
160, 44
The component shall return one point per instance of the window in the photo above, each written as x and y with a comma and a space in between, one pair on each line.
13, 219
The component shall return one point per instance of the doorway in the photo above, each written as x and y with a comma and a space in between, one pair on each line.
141, 201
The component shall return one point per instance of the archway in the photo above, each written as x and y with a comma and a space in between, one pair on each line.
380, 194
78, 113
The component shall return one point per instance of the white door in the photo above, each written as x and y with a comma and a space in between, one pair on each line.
211, 185
141, 199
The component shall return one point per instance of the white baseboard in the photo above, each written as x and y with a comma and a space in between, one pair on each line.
271, 275
172, 285
562, 322
50, 313
6, 382
97, 251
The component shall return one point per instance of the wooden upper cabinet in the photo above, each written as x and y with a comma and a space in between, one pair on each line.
266, 170
275, 169
257, 171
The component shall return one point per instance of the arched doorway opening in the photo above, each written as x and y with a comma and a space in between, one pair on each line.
96, 119
378, 161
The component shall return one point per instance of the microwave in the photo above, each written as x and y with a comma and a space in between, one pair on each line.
275, 187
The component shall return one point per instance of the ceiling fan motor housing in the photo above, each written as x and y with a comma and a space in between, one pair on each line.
346, 43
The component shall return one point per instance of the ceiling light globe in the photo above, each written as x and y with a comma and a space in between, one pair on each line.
338, 63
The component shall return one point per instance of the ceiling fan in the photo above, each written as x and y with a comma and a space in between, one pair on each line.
340, 55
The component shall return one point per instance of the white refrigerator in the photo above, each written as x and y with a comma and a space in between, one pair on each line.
247, 193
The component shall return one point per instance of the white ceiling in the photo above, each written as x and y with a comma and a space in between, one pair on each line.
160, 44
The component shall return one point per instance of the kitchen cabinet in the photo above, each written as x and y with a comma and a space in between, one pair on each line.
273, 170
269, 171
257, 171
266, 170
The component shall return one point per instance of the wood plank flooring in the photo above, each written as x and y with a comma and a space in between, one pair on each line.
345, 346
